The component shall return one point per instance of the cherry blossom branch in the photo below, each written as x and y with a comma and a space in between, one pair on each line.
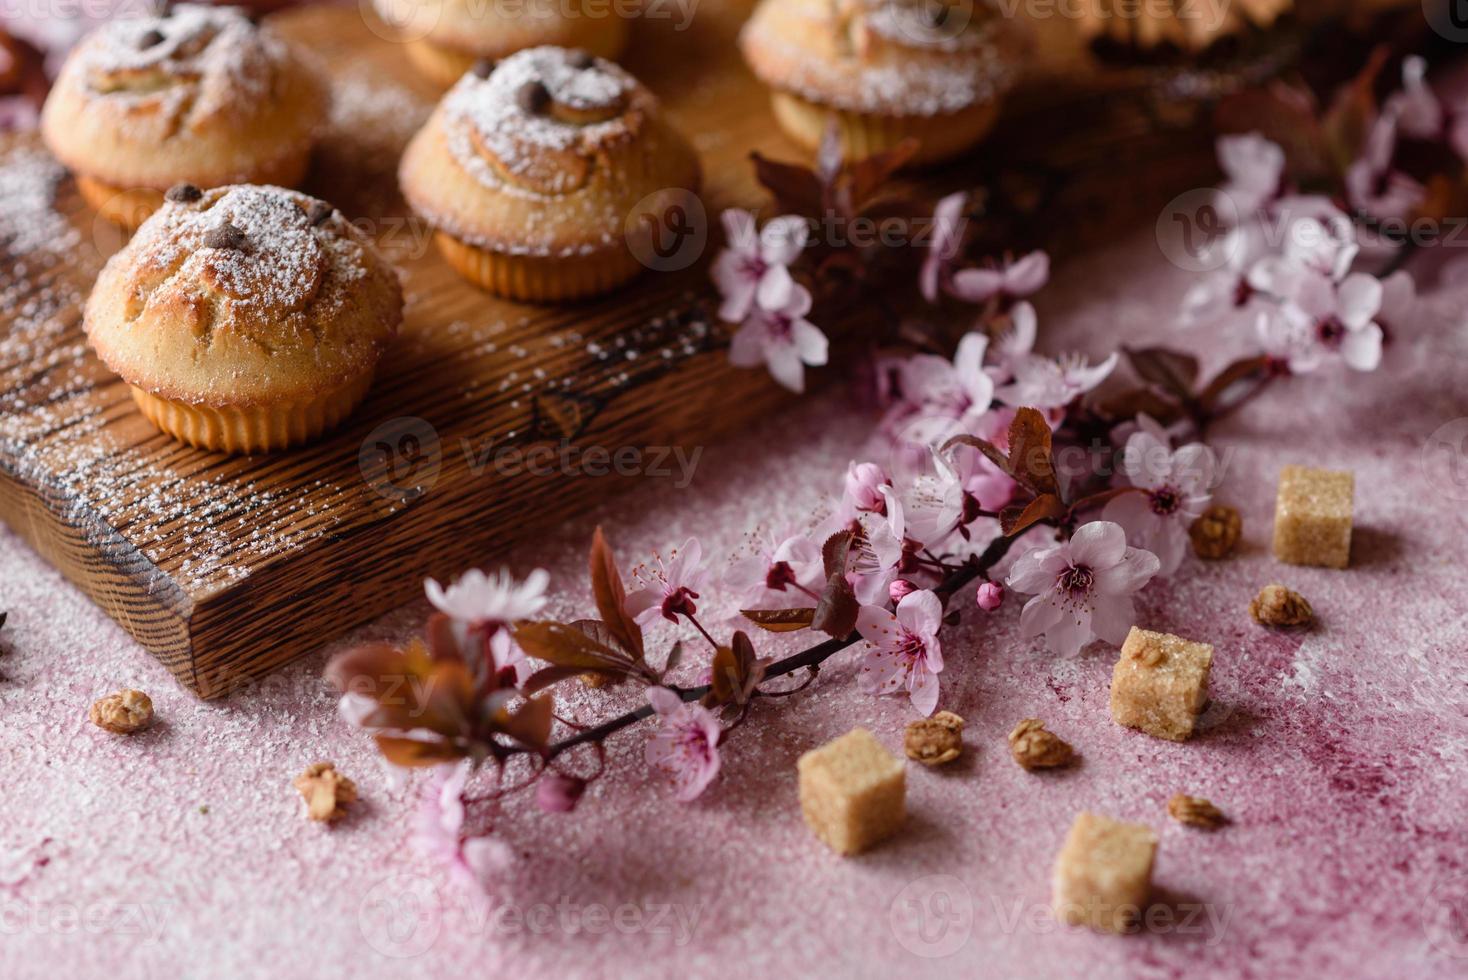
812, 658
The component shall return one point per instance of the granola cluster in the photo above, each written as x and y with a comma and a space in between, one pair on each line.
326, 792
122, 713
1216, 532
1276, 605
1195, 811
936, 740
1034, 747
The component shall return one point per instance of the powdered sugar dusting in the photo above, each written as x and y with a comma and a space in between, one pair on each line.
196, 61
490, 112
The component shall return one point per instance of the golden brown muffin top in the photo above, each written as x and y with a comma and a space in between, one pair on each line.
548, 152
889, 57
243, 295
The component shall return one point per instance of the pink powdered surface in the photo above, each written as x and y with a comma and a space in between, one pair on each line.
1341, 754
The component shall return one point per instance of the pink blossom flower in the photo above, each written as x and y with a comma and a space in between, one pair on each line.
990, 596
784, 565
905, 653
1319, 240
1042, 383
1416, 107
439, 835
1254, 168
670, 587
782, 338
558, 793
480, 599
1373, 186
1016, 344
950, 397
1009, 282
1226, 289
878, 552
1178, 488
1082, 588
862, 490
754, 269
1321, 321
686, 747
948, 226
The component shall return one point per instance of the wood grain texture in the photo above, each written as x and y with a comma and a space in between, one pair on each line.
226, 568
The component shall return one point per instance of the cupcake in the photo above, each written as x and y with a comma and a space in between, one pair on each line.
245, 319
541, 174
200, 94
445, 38
1175, 29
884, 70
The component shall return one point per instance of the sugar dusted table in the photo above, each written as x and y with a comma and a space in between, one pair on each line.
1341, 754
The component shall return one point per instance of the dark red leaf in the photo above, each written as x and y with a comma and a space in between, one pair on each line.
1239, 371
836, 612
868, 176
606, 587
796, 189
835, 552
570, 646
990, 451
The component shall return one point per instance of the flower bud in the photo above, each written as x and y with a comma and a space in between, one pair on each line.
864, 482
556, 793
900, 589
990, 596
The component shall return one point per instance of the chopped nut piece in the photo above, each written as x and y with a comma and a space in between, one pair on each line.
1103, 874
1195, 811
1035, 748
1276, 605
1216, 532
123, 713
1160, 684
853, 792
326, 791
936, 740
1312, 517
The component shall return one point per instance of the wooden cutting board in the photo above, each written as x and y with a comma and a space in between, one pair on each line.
488, 418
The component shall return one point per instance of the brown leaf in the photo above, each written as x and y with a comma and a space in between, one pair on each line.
530, 725
1236, 373
797, 189
569, 646
834, 552
1029, 452
1013, 520
1173, 371
836, 613
606, 586
779, 620
735, 672
1141, 401
991, 452
1352, 113
869, 175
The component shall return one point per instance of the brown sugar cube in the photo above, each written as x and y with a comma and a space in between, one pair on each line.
1312, 517
1103, 874
852, 791
1160, 683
